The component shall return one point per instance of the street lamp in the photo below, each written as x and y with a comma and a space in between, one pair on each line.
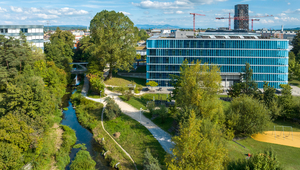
100, 93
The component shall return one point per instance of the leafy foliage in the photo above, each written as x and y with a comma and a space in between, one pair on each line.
113, 40
59, 50
197, 87
83, 160
31, 92
263, 161
247, 115
112, 109
198, 146
248, 86
150, 163
152, 84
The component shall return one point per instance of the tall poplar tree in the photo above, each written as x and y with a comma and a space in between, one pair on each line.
114, 40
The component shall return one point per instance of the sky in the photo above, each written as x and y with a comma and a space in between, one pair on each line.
152, 12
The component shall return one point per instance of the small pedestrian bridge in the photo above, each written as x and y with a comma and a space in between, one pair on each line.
80, 67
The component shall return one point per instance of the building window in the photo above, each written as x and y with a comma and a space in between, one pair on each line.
24, 30
1, 30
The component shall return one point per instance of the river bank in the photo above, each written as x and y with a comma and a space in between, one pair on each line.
84, 136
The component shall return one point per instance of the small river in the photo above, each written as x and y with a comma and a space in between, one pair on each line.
83, 136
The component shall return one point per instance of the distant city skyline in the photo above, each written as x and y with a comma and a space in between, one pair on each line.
159, 12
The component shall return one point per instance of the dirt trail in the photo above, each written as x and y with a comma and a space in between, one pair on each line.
287, 138
58, 135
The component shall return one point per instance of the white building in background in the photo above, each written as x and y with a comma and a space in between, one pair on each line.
34, 33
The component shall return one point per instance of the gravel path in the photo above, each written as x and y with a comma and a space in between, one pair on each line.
163, 137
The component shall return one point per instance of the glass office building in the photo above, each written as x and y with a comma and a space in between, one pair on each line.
34, 33
267, 57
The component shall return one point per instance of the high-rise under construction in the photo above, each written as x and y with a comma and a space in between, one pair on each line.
242, 12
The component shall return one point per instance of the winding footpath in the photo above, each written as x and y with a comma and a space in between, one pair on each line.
160, 135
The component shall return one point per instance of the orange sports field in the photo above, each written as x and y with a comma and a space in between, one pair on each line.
287, 138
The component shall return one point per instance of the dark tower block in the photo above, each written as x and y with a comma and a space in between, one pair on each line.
241, 11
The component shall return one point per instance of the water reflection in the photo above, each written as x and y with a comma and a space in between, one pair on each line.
83, 136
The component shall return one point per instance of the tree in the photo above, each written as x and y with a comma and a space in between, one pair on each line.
97, 84
112, 109
197, 87
113, 35
60, 48
10, 156
263, 161
152, 84
271, 100
83, 160
247, 116
150, 163
163, 112
296, 43
247, 86
142, 35
198, 146
286, 101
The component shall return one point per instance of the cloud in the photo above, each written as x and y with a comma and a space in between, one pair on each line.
148, 4
125, 13
45, 16
3, 10
289, 3
264, 21
228, 11
168, 12
179, 12
297, 11
282, 14
8, 22
16, 9
146, 12
35, 9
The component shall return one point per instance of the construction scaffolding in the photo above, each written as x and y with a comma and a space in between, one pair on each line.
241, 11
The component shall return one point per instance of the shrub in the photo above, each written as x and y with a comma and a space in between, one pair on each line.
247, 116
128, 95
163, 112
97, 84
136, 90
83, 160
112, 109
263, 161
151, 107
150, 163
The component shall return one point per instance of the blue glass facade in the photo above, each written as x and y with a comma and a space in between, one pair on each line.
268, 57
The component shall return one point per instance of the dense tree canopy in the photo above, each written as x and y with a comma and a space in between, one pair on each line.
296, 44
198, 146
59, 50
30, 93
247, 116
197, 86
114, 40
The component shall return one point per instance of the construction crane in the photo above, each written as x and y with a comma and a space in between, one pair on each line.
244, 18
194, 14
252, 23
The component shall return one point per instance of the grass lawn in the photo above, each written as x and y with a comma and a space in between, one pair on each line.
141, 101
295, 83
135, 138
287, 156
89, 116
163, 125
117, 80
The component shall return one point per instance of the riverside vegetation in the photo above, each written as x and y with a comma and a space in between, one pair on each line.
31, 87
